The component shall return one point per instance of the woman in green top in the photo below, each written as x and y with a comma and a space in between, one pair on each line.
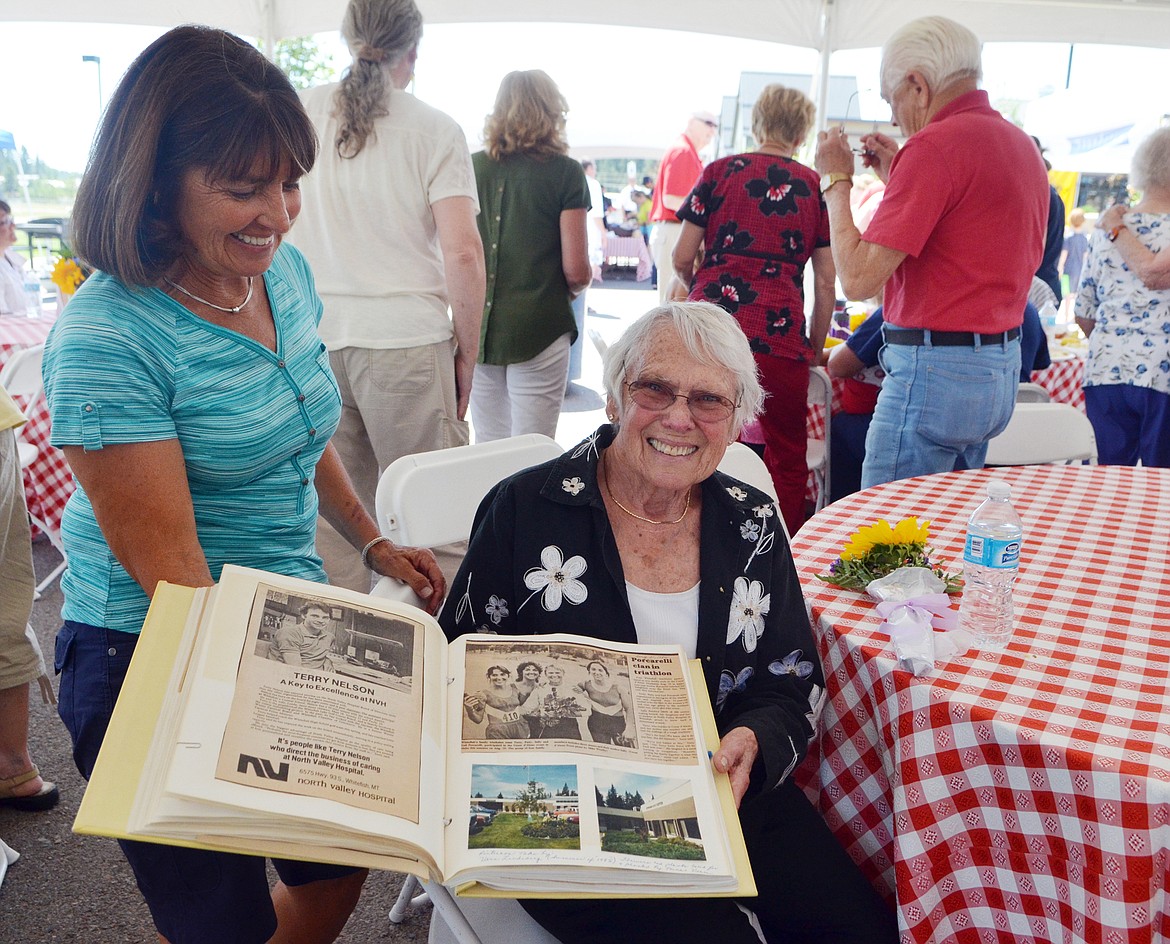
533, 199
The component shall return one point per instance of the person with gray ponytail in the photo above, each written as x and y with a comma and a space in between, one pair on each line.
389, 229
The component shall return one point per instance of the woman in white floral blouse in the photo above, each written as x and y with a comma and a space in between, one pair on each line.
633, 536
1127, 373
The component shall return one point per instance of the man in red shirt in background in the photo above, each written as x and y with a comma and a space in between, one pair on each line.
680, 168
955, 242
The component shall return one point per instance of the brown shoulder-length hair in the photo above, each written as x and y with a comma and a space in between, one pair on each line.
528, 117
196, 97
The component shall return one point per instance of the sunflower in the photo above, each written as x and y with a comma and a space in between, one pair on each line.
879, 549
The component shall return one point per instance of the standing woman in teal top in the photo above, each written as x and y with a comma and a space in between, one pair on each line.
533, 199
194, 401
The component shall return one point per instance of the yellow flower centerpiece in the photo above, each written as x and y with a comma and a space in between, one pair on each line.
878, 549
67, 273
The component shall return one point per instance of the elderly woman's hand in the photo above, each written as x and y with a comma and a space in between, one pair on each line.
414, 566
737, 754
1113, 217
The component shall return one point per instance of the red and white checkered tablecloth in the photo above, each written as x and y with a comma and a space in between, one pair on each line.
1021, 795
629, 250
48, 483
1063, 379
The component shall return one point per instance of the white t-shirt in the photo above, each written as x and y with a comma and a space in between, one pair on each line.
596, 212
12, 300
367, 228
666, 618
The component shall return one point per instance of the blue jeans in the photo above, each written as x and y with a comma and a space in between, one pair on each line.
939, 405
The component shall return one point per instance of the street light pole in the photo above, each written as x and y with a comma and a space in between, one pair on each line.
97, 61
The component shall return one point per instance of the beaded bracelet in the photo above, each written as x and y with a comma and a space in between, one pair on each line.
366, 550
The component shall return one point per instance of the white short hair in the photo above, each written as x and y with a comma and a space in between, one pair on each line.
708, 332
941, 49
1151, 162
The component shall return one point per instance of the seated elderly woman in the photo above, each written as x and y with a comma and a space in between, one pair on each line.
649, 543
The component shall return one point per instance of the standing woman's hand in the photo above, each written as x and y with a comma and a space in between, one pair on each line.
414, 566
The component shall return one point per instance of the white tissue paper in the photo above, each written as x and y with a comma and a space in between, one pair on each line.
904, 584
919, 618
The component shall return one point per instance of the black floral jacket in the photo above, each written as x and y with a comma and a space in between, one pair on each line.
543, 559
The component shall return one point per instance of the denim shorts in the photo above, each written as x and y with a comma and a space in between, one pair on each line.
194, 895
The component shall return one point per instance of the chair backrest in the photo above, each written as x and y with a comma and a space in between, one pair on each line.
745, 464
820, 388
21, 376
1032, 393
598, 341
820, 393
430, 498
1041, 433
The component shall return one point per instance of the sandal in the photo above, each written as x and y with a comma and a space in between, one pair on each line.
44, 799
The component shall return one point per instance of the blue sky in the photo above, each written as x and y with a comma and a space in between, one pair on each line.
492, 780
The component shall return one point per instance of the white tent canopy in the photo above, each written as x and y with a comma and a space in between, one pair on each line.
823, 25
826, 25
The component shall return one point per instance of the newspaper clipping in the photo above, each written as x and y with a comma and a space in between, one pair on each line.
328, 703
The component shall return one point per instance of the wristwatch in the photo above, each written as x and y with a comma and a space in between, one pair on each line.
828, 180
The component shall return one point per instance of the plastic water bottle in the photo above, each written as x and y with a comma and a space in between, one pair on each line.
991, 560
32, 295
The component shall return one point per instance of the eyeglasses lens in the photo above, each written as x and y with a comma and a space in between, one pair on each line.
707, 407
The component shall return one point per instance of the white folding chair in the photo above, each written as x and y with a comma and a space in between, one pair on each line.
1032, 393
598, 341
426, 500
430, 498
1041, 433
820, 392
21, 377
744, 463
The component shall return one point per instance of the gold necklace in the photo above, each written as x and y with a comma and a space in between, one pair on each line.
609, 492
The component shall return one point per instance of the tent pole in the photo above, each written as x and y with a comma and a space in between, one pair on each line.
268, 18
828, 24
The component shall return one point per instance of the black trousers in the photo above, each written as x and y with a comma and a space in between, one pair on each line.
810, 892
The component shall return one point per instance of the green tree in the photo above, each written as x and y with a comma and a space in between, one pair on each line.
303, 62
600, 798
612, 799
529, 800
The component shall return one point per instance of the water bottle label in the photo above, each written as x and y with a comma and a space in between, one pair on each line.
989, 552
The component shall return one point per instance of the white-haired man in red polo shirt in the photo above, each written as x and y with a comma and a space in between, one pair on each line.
955, 242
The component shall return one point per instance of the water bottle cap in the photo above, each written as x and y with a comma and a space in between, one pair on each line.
997, 488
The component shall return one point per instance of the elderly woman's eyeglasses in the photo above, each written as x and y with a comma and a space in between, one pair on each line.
656, 395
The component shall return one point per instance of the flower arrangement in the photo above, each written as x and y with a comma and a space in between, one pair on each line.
67, 273
878, 549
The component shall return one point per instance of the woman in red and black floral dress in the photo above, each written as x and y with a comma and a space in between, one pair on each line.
755, 219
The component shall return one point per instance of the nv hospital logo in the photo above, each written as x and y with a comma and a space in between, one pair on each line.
262, 768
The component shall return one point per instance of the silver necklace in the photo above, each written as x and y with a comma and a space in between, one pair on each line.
204, 301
